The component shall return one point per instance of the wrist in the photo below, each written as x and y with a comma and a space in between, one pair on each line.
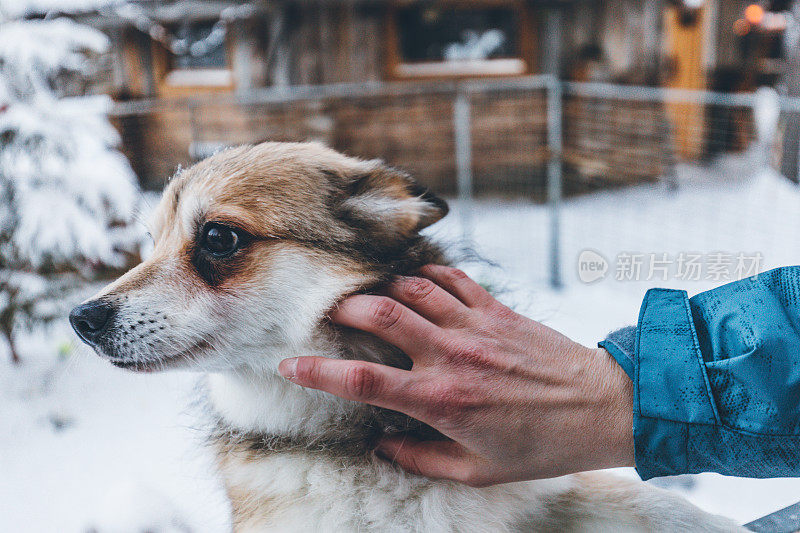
614, 410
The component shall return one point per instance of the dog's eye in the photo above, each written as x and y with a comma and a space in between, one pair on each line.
219, 240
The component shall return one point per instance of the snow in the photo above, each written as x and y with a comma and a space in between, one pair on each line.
69, 198
83, 444
67, 185
135, 507
475, 45
69, 181
13, 9
726, 207
36, 51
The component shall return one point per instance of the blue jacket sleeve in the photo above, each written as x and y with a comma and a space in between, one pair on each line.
717, 378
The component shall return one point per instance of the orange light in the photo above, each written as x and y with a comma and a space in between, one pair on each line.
741, 27
754, 14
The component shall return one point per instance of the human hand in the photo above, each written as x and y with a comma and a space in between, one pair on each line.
518, 399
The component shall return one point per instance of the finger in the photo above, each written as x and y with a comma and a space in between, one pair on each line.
360, 381
458, 284
428, 299
391, 321
435, 458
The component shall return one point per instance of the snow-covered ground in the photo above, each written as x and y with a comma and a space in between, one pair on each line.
725, 208
83, 444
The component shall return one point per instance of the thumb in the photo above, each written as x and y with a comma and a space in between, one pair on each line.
440, 459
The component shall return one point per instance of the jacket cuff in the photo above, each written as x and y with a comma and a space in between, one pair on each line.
670, 386
621, 344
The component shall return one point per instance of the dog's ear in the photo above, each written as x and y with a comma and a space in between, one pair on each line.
386, 197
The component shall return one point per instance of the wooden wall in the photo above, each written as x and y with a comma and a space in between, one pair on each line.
628, 32
614, 142
326, 43
414, 133
344, 42
338, 42
606, 142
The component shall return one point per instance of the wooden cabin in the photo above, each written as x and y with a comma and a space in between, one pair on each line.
193, 76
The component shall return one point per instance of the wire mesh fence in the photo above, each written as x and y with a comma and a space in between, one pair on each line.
705, 205
546, 177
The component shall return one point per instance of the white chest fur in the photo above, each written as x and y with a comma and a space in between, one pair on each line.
320, 491
312, 491
323, 491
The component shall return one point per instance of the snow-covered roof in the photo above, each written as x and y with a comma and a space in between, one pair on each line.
12, 9
111, 13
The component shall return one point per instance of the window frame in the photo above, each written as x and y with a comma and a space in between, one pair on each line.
523, 63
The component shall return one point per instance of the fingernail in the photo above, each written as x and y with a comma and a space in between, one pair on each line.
386, 449
288, 368
381, 454
335, 312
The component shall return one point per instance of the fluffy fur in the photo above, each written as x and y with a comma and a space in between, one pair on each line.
316, 226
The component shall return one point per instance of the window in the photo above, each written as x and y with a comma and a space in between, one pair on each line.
203, 50
204, 57
459, 40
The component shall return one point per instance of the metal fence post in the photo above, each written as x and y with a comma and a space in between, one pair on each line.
462, 126
554, 177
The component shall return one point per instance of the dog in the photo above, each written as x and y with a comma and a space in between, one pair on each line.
253, 247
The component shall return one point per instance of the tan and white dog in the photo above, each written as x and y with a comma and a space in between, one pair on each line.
253, 247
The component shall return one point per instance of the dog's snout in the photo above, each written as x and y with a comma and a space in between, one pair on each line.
90, 319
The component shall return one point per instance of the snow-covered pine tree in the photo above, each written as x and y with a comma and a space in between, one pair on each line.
67, 196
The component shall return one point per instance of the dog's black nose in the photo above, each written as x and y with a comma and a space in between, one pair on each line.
90, 319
